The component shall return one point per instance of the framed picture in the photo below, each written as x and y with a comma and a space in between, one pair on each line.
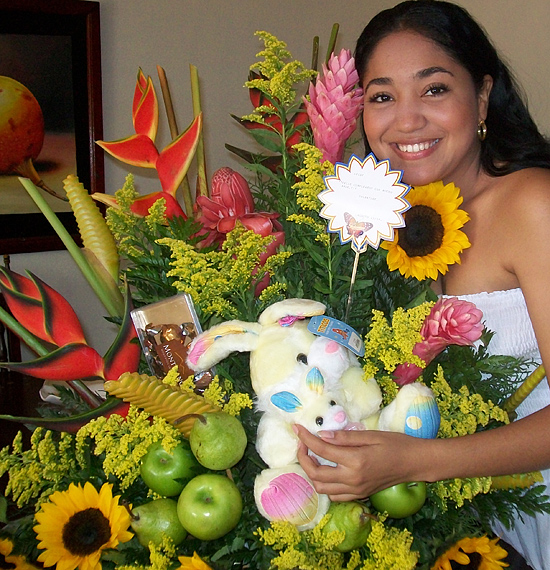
52, 47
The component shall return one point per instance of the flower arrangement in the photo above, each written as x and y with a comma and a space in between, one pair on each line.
74, 492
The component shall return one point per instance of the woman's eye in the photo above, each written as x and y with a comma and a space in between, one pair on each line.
302, 358
379, 98
437, 89
319, 421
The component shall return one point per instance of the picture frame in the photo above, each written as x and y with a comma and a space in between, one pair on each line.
55, 44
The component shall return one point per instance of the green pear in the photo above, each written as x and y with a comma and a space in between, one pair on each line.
353, 518
217, 440
156, 519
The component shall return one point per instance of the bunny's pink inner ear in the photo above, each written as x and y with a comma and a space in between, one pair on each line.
289, 320
315, 380
286, 401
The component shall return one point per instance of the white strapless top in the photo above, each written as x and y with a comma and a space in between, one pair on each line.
505, 313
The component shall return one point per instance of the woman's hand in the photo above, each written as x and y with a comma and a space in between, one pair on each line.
367, 461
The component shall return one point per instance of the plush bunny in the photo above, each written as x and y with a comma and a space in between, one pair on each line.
299, 377
318, 395
274, 342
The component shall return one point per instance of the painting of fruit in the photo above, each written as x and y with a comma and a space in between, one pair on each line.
50, 114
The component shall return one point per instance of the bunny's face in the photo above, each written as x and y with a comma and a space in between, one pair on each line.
305, 400
324, 413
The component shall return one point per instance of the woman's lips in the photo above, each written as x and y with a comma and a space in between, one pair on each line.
416, 147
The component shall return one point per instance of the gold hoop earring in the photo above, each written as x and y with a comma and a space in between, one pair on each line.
481, 130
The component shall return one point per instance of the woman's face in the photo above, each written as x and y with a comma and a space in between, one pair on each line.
422, 110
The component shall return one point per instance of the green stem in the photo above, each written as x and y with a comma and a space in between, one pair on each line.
201, 161
17, 328
315, 53
185, 188
102, 293
332, 41
329, 265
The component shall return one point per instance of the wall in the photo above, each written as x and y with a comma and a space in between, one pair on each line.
217, 36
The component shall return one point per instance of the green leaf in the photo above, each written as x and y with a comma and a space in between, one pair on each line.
3, 509
269, 139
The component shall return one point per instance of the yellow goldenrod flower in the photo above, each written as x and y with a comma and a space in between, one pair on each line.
277, 75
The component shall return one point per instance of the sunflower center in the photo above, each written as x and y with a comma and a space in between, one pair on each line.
423, 233
86, 532
475, 559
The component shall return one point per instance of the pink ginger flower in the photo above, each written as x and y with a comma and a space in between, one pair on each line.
334, 105
232, 201
451, 321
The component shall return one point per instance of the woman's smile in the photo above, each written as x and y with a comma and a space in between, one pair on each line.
416, 147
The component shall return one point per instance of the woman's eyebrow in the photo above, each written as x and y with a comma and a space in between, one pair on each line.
422, 74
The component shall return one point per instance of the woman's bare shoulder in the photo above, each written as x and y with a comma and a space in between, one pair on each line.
524, 195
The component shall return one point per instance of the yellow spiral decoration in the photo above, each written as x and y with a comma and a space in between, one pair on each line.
520, 481
158, 399
96, 236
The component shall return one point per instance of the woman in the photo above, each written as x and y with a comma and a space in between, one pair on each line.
441, 105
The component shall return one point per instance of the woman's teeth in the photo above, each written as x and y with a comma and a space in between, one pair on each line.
417, 147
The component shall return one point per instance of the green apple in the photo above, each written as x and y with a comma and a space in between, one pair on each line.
218, 440
400, 501
156, 519
167, 472
354, 519
210, 506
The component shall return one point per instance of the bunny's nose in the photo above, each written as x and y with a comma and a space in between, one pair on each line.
340, 417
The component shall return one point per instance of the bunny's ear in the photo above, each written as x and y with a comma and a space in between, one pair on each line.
315, 380
213, 345
286, 401
298, 308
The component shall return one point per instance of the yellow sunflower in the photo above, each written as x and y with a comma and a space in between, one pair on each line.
12, 560
432, 239
194, 562
490, 553
76, 525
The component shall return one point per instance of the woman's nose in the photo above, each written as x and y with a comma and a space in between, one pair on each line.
409, 116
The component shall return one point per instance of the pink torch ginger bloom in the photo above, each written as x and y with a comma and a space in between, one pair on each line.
334, 105
232, 201
451, 321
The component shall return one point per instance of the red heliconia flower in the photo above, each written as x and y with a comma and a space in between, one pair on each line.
40, 309
451, 321
140, 207
171, 163
231, 201
48, 316
334, 105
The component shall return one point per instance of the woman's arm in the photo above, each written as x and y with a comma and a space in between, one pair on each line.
368, 461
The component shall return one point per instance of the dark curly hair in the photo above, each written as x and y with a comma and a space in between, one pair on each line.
513, 140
